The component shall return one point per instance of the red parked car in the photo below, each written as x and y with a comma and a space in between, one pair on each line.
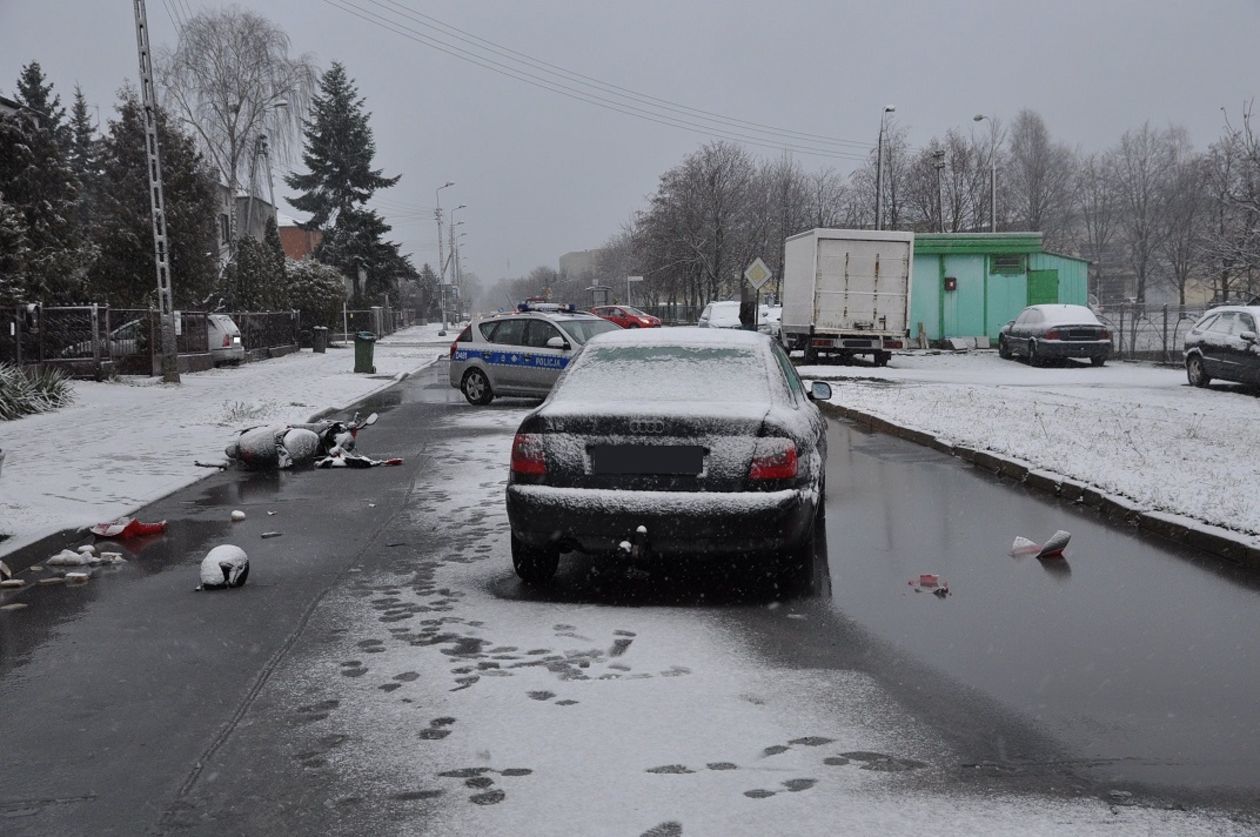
626, 317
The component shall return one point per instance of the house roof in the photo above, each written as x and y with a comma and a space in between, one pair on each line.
980, 244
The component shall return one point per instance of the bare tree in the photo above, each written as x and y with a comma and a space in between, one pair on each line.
1182, 233
829, 201
897, 161
1038, 179
231, 80
1143, 159
1233, 242
1097, 212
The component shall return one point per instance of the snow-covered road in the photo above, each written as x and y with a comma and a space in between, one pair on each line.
123, 444
431, 693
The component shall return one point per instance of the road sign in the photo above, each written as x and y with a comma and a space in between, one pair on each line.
757, 273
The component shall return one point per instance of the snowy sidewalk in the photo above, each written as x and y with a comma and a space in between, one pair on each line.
124, 444
1128, 429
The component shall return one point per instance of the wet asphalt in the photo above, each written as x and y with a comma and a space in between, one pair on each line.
1127, 666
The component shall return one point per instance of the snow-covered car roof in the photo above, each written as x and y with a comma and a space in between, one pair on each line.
681, 336
1060, 313
1253, 310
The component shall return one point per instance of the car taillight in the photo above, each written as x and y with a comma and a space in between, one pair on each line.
1053, 334
892, 344
227, 340
1104, 335
527, 455
454, 346
774, 459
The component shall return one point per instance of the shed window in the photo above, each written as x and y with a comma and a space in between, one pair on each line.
1007, 264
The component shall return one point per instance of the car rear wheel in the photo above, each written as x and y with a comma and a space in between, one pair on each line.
476, 388
1195, 372
1004, 351
882, 358
534, 565
1098, 360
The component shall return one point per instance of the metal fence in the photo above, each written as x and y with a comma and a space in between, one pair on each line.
93, 340
381, 320
1149, 332
268, 329
676, 314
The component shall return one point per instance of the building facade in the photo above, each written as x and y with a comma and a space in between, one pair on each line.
971, 284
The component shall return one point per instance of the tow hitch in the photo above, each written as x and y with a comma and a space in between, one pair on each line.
637, 547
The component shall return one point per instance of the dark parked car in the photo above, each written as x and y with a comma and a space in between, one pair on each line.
1223, 345
1044, 332
678, 442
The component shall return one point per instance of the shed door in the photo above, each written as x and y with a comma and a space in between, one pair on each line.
1043, 286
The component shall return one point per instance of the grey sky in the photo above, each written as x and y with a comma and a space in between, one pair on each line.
543, 174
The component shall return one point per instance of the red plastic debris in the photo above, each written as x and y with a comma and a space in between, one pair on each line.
127, 527
929, 580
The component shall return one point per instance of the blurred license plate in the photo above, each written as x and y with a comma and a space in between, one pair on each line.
646, 459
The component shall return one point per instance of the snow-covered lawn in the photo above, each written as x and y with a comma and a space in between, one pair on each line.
1130, 429
123, 444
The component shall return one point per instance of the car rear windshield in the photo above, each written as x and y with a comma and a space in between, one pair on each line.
667, 373
583, 330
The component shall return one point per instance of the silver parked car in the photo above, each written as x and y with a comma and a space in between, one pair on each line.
519, 354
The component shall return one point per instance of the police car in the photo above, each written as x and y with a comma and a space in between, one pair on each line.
521, 353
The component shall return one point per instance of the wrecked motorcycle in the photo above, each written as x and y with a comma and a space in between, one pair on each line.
277, 446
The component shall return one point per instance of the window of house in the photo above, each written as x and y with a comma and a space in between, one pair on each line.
224, 232
1007, 263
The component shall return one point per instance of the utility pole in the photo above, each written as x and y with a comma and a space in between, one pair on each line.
437, 214
938, 163
271, 183
253, 181
879, 170
157, 204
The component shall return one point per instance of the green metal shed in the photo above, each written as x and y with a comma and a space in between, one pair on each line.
971, 284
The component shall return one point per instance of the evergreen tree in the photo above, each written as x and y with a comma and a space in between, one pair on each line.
244, 282
339, 149
37, 181
316, 290
124, 272
275, 295
36, 93
83, 161
13, 255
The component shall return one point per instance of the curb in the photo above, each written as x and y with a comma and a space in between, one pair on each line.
1180, 530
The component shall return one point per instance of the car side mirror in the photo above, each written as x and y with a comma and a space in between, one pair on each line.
558, 343
370, 420
819, 391
1248, 336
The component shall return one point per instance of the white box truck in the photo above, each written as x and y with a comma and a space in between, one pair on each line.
847, 292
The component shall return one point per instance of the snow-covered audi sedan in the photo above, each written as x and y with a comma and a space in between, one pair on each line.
681, 443
1054, 331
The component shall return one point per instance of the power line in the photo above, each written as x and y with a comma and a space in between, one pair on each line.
579, 95
173, 15
617, 90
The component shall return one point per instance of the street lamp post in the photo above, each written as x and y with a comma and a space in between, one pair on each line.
979, 117
879, 170
437, 214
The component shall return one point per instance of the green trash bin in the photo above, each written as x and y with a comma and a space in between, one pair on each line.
319, 339
363, 347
